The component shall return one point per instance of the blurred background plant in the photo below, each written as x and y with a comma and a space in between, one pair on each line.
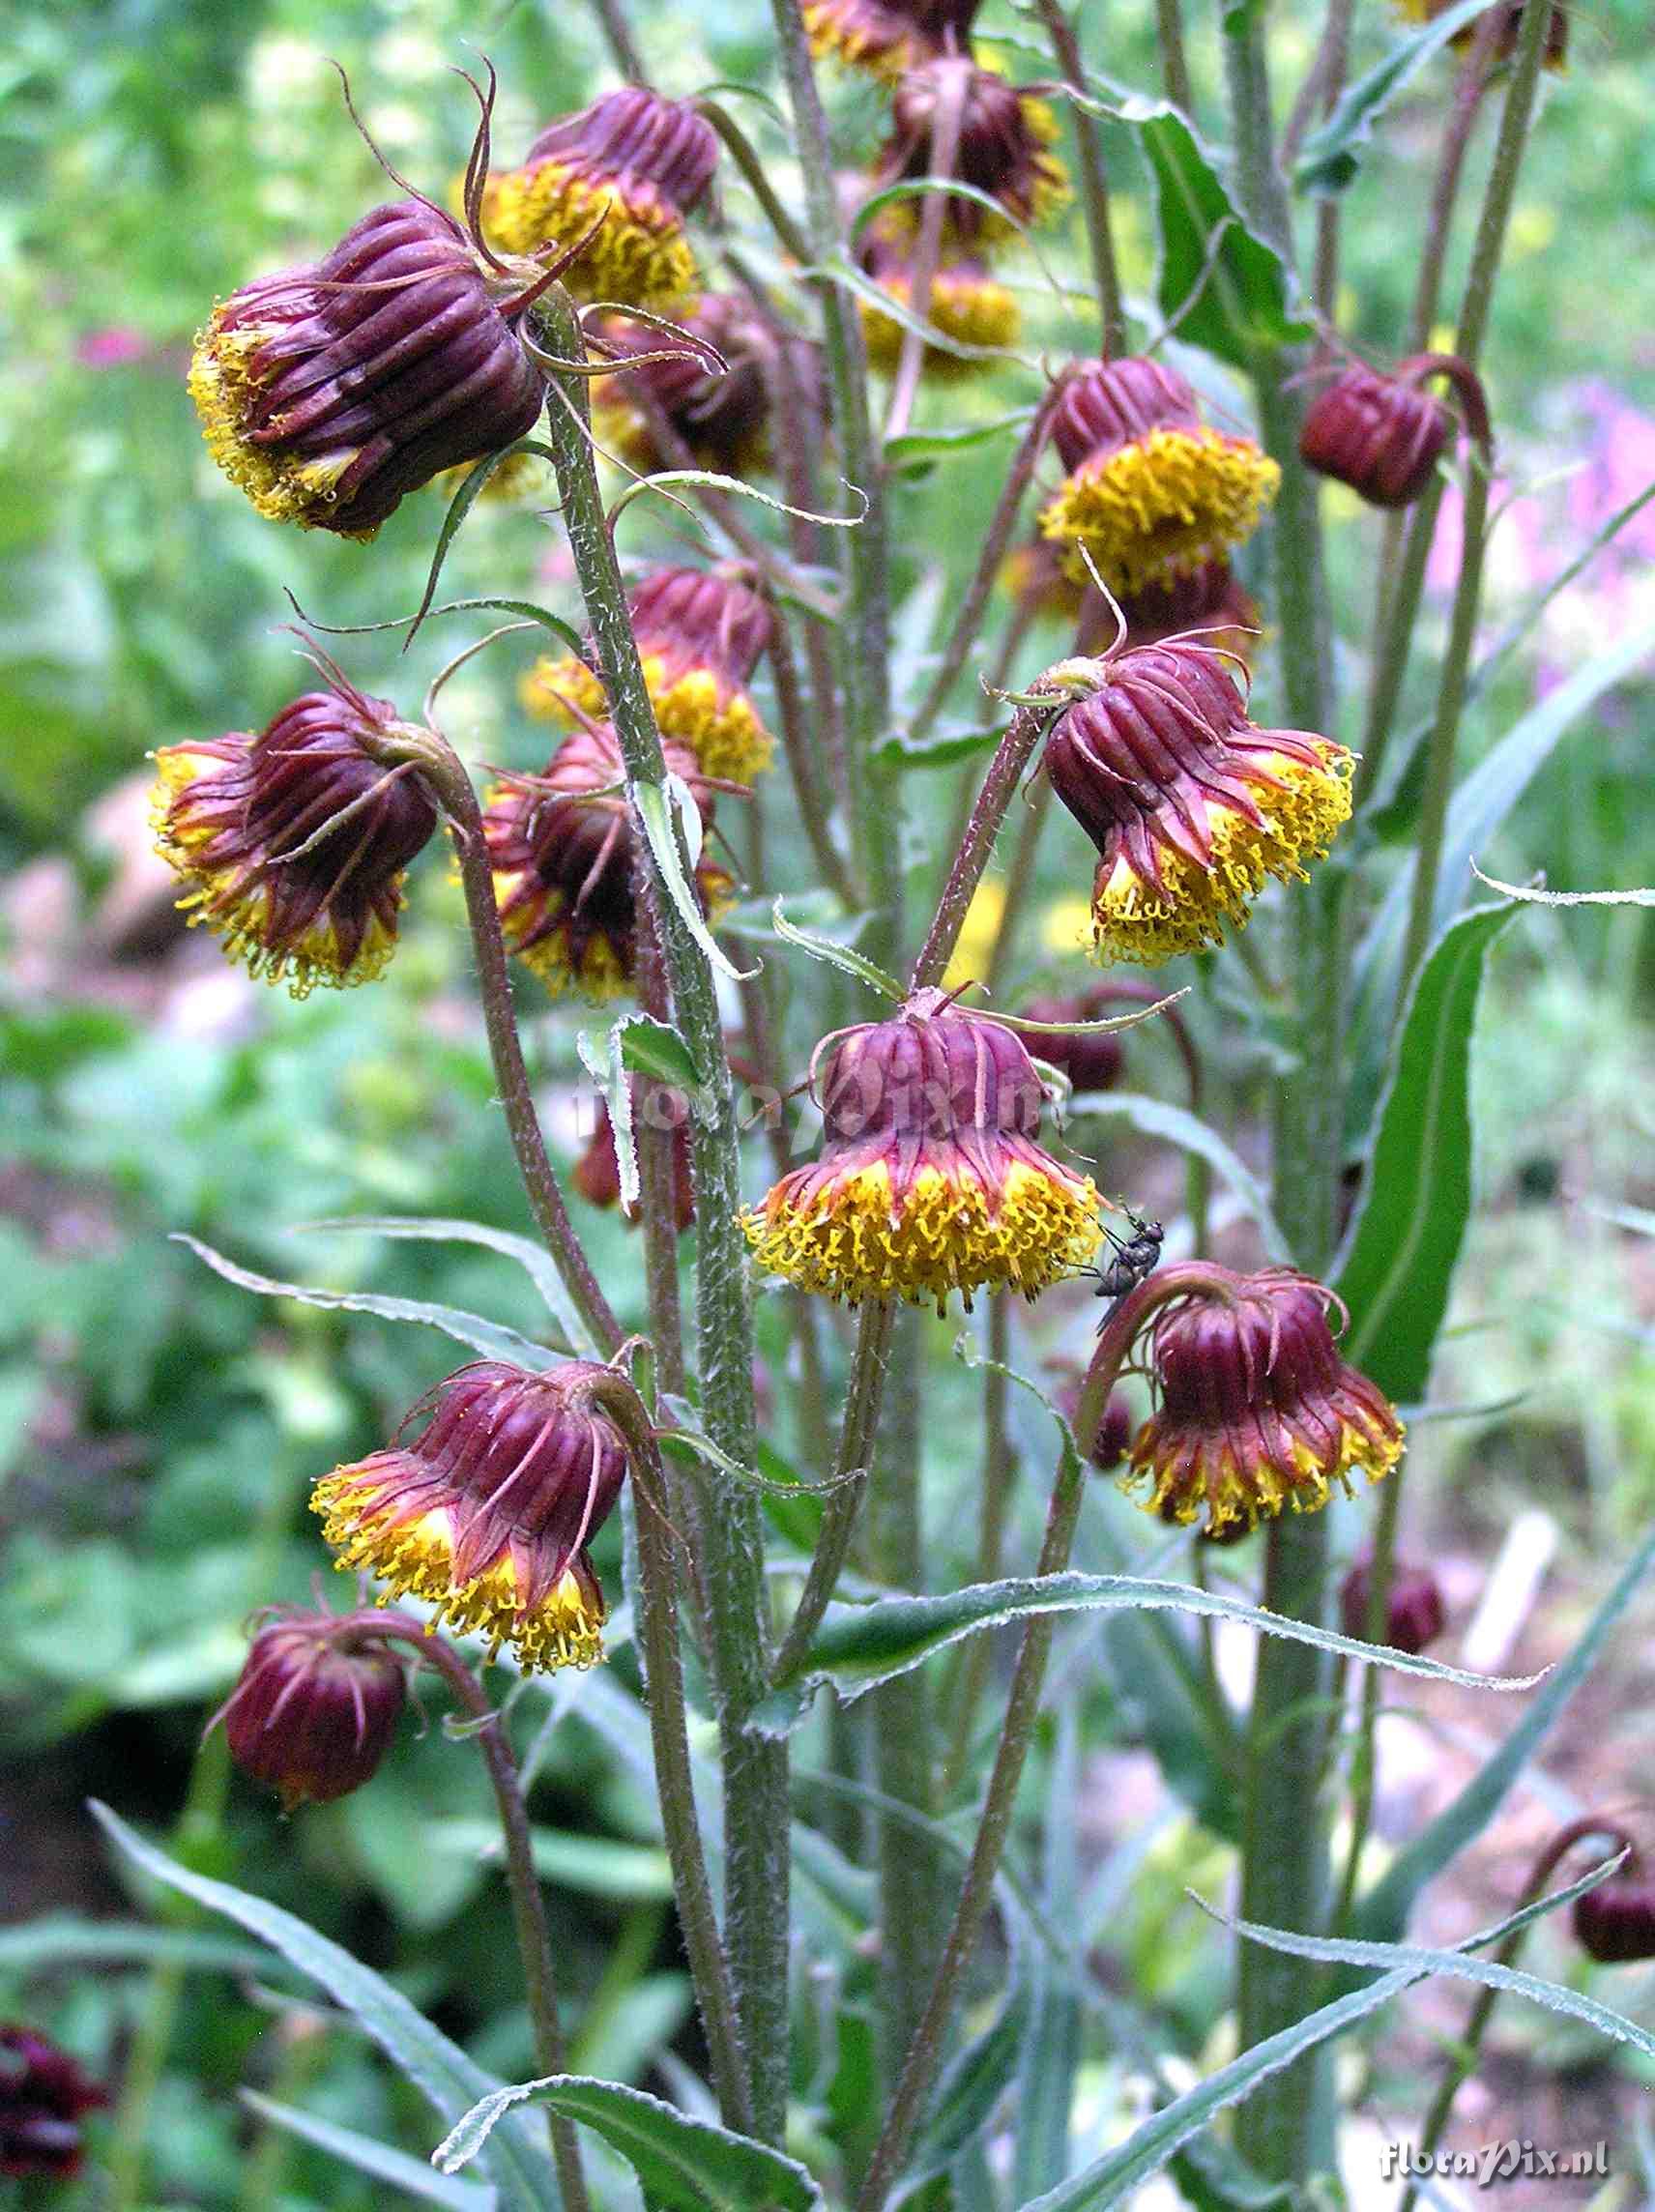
158, 1426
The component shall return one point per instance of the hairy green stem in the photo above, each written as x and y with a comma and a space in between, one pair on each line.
444, 770
617, 33
755, 1767
925, 2051
663, 1669
1284, 1842
523, 1884
994, 1482
1059, 28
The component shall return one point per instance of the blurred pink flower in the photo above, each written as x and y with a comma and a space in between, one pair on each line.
115, 347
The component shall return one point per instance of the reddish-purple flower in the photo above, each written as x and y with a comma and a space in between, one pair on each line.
1414, 1613
887, 37
487, 1513
329, 391
1614, 1923
1383, 435
1256, 1411
1005, 142
44, 2095
293, 843
316, 1708
931, 1177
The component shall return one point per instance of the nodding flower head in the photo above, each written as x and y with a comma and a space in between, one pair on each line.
562, 852
887, 37
329, 391
721, 414
44, 2094
701, 634
1005, 152
1506, 43
632, 163
1383, 435
596, 1174
1256, 1412
1152, 491
965, 304
293, 843
1414, 1613
931, 1177
486, 1514
315, 1706
1207, 601
1190, 804
1614, 1923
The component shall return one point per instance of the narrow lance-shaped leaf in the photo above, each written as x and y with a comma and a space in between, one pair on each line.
663, 808
857, 1648
1536, 895
492, 1339
1328, 161
833, 954
1399, 1260
441, 1229
383, 2162
1382, 1914
690, 2165
439, 2069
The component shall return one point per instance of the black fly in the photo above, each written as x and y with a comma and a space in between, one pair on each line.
1136, 1256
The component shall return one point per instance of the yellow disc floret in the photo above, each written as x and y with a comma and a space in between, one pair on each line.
717, 722
640, 255
1157, 509
965, 305
856, 1238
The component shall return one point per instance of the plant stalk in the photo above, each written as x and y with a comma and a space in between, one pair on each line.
755, 1767
1059, 28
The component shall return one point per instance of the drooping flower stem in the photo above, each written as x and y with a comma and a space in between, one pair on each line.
446, 773
657, 1599
925, 2051
528, 1915
1011, 757
755, 1767
968, 623
1514, 120
1094, 178
1284, 1843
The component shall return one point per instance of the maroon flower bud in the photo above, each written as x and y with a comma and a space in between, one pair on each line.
1414, 1612
1383, 435
1191, 806
931, 1179
316, 1708
1091, 1058
564, 852
1207, 605
44, 2094
1151, 491
700, 633
1004, 152
294, 842
488, 1512
887, 37
328, 392
1109, 1446
596, 1174
1614, 1923
1256, 1410
721, 414
632, 163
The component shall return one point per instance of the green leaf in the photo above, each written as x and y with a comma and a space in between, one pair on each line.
1400, 1257
834, 955
1327, 159
818, 910
439, 1229
688, 2164
1115, 2179
914, 447
663, 809
977, 2077
383, 2161
1536, 895
1177, 1125
1228, 290
648, 1047
1490, 1973
492, 1339
64, 1940
1052, 2047
596, 1866
1382, 1914
1479, 806
603, 1062
451, 2081
949, 742
857, 1648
